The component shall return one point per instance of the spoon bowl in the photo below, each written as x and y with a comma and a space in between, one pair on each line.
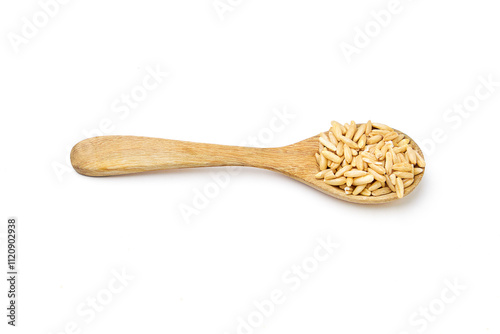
116, 155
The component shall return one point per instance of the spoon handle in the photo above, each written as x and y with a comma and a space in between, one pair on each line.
114, 155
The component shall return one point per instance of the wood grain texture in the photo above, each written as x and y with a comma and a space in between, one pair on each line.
115, 155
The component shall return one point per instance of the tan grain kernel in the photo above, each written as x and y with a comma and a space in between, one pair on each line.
369, 127
321, 174
404, 175
351, 130
330, 175
384, 150
375, 185
408, 182
402, 167
418, 171
350, 181
347, 154
403, 142
340, 149
393, 177
332, 138
361, 130
359, 162
379, 145
328, 143
336, 182
400, 149
343, 128
401, 157
368, 155
334, 166
376, 175
389, 183
398, 139
358, 189
373, 140
323, 163
362, 141
390, 136
355, 173
378, 169
366, 192
342, 170
369, 161
400, 188
379, 132
337, 131
412, 155
382, 191
363, 180
382, 126
388, 163
331, 156
420, 160
349, 142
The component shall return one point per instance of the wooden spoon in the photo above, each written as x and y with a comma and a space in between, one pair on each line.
115, 155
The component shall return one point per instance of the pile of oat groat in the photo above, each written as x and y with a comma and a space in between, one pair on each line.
368, 159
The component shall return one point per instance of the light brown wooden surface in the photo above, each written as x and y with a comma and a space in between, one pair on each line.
115, 155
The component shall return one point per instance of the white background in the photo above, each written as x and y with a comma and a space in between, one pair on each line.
228, 76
